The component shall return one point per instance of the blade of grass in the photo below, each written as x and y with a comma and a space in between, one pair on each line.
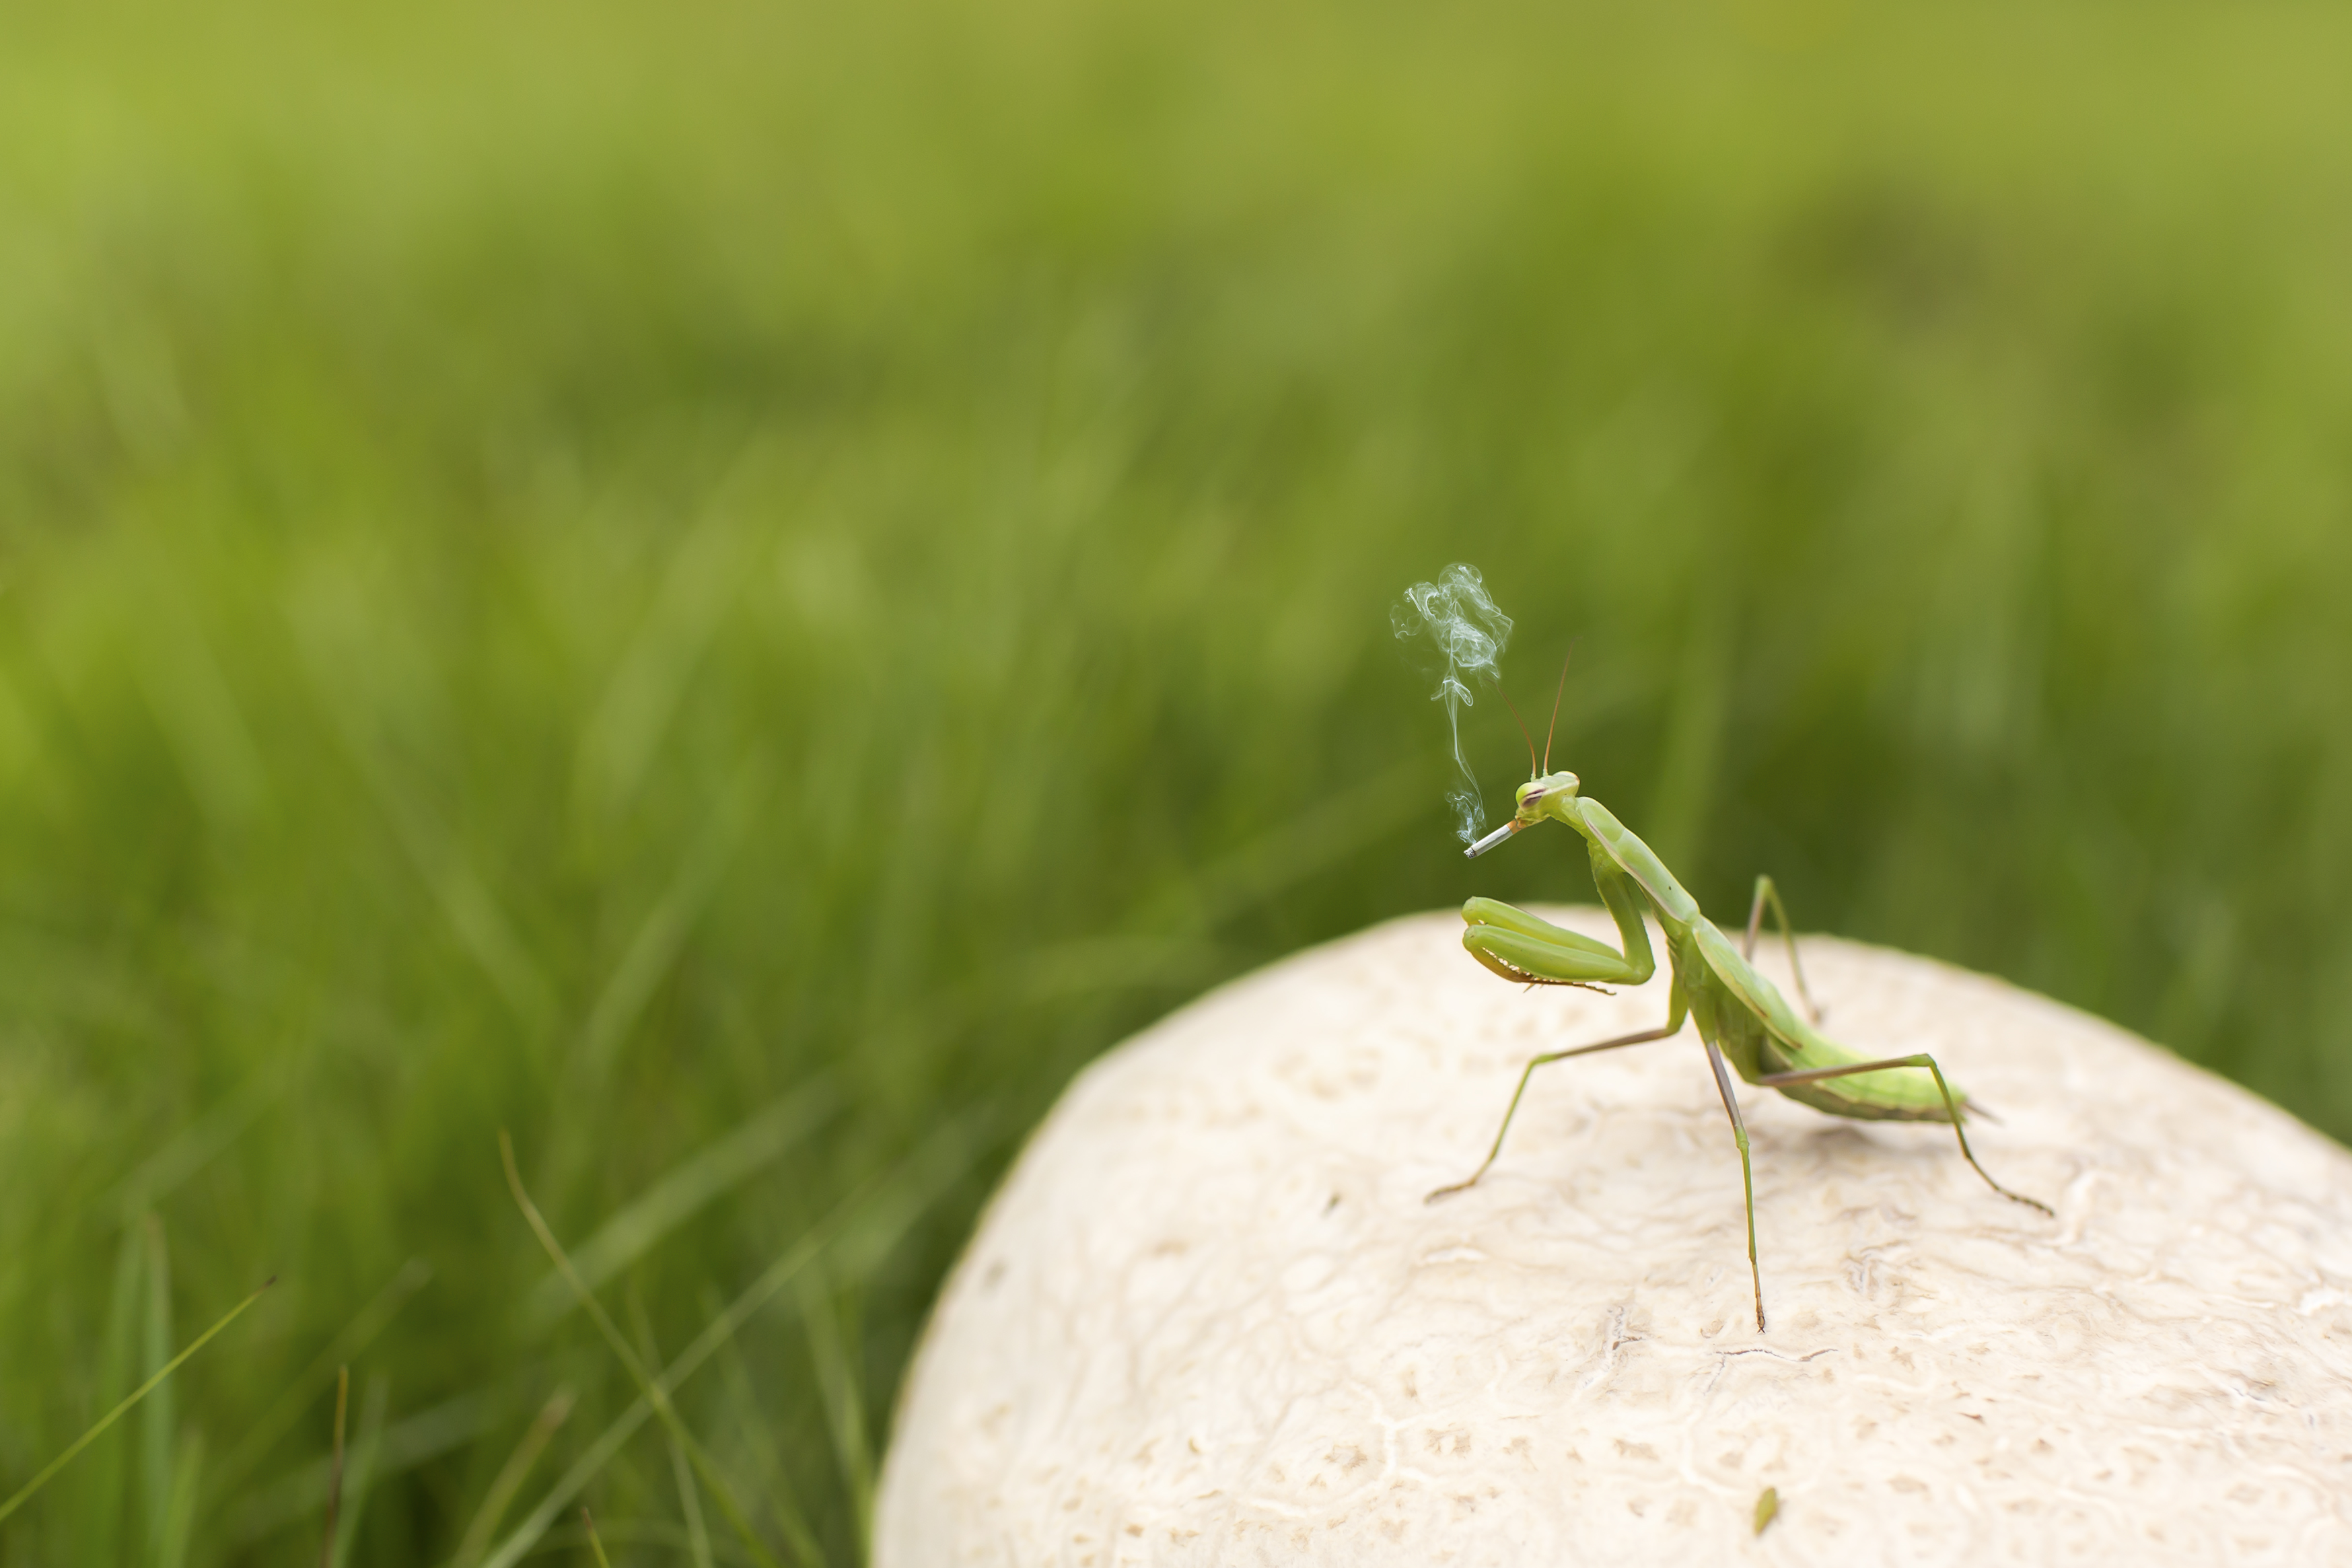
158, 1422
662, 934
661, 1534
360, 1475
102, 1481
180, 1510
619, 743
511, 1477
784, 1503
194, 1147
588, 1522
296, 1497
947, 1154
900, 1194
335, 1471
680, 1195
845, 1406
703, 1466
1320, 836
475, 917
690, 1501
698, 1535
133, 1397
349, 1341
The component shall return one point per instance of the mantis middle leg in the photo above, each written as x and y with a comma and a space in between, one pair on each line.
1672, 1027
1815, 1075
1767, 893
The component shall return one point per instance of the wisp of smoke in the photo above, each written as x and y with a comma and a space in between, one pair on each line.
1460, 617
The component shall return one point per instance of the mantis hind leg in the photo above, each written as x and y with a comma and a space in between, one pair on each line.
1767, 893
1673, 1026
1951, 1109
1746, 1171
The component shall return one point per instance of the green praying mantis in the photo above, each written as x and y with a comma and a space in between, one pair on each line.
1742, 1018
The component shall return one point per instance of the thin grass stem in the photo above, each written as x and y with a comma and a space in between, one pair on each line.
721, 1492
335, 1469
596, 1544
899, 1195
844, 1403
511, 1477
47, 1471
783, 1504
367, 1454
344, 1348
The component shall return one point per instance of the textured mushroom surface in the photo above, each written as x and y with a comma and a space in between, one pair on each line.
1210, 1320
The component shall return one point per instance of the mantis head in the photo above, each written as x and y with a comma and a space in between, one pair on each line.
1546, 795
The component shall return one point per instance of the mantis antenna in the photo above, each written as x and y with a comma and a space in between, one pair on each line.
1555, 709
1522, 723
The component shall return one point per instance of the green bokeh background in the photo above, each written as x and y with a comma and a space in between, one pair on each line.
592, 570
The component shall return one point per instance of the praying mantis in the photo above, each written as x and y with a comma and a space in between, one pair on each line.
1742, 1018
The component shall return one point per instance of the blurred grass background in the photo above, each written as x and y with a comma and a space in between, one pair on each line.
740, 589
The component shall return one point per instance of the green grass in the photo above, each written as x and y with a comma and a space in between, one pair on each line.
595, 573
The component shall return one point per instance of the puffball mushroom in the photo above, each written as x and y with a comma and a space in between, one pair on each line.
1210, 1319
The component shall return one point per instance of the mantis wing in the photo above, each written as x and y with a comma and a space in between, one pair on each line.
1903, 1094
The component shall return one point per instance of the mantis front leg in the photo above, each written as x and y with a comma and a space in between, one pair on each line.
1519, 946
1523, 947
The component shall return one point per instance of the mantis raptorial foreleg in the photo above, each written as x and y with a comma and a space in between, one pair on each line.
1767, 893
1746, 1171
1672, 1027
1951, 1107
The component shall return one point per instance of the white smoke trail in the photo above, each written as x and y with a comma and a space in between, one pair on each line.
1458, 614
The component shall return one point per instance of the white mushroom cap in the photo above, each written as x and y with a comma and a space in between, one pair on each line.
1210, 1320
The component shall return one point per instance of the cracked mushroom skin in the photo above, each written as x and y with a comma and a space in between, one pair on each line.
1209, 1319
